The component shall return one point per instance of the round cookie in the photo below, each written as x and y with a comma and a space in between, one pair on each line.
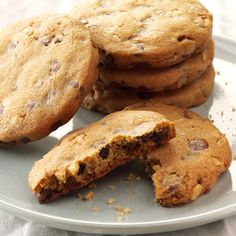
110, 99
191, 163
47, 66
155, 33
161, 79
91, 152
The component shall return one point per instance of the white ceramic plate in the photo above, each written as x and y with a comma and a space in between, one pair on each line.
146, 217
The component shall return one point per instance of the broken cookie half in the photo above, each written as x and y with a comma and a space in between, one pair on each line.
89, 153
190, 164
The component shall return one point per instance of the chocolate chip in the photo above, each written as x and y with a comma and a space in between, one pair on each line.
82, 167
57, 40
156, 136
198, 144
181, 38
30, 106
74, 84
56, 125
104, 152
13, 45
131, 146
107, 59
140, 47
44, 195
25, 140
54, 67
45, 40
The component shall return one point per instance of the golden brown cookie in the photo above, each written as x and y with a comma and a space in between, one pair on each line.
191, 163
155, 33
89, 153
47, 66
160, 79
110, 99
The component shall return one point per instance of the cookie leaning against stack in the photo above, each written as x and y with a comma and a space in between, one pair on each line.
150, 46
47, 66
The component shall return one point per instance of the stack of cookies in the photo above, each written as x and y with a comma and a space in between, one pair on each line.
160, 50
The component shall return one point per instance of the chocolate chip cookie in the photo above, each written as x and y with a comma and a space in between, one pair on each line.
148, 32
160, 79
47, 66
109, 99
91, 152
191, 163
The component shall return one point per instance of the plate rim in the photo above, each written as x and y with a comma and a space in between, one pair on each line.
118, 227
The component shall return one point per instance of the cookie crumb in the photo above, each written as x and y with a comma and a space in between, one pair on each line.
96, 209
111, 187
226, 83
218, 72
222, 113
87, 197
92, 186
111, 200
234, 157
121, 211
130, 177
233, 109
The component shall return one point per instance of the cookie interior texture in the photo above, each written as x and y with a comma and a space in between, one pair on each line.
190, 164
147, 32
107, 99
91, 152
147, 79
48, 65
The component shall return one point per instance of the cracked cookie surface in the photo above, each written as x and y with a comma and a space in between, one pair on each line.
91, 152
110, 99
47, 66
191, 163
148, 32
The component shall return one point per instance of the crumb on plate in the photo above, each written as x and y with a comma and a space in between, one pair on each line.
87, 196
121, 211
111, 187
96, 209
131, 177
111, 200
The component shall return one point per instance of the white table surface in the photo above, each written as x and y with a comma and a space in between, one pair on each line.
224, 12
